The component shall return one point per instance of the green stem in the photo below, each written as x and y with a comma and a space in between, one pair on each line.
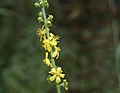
58, 88
47, 33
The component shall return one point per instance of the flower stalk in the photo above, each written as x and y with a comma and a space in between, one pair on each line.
47, 32
50, 44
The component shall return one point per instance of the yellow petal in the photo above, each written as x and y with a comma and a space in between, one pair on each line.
58, 80
44, 46
58, 49
46, 55
52, 35
44, 41
41, 38
54, 54
44, 37
47, 62
52, 78
49, 48
59, 69
57, 55
53, 70
50, 38
53, 42
62, 75
42, 32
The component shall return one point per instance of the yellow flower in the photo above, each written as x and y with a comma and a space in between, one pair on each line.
46, 60
53, 42
50, 42
51, 36
57, 75
53, 39
56, 52
41, 33
46, 45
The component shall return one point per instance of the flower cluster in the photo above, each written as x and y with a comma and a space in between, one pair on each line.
50, 44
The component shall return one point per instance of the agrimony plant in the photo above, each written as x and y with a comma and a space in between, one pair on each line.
50, 45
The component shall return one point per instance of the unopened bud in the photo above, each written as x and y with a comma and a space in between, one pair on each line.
40, 14
49, 23
40, 19
36, 4
50, 18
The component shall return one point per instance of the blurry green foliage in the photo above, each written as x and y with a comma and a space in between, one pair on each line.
87, 55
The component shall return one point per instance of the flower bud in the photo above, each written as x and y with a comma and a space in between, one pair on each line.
40, 19
40, 14
37, 4
50, 18
44, 3
49, 23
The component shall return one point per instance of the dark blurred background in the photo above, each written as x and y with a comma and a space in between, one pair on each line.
89, 31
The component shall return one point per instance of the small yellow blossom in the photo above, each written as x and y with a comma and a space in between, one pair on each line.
57, 37
41, 33
51, 36
46, 45
46, 60
56, 52
55, 41
57, 74
50, 42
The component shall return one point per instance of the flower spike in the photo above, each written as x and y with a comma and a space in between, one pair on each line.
50, 44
